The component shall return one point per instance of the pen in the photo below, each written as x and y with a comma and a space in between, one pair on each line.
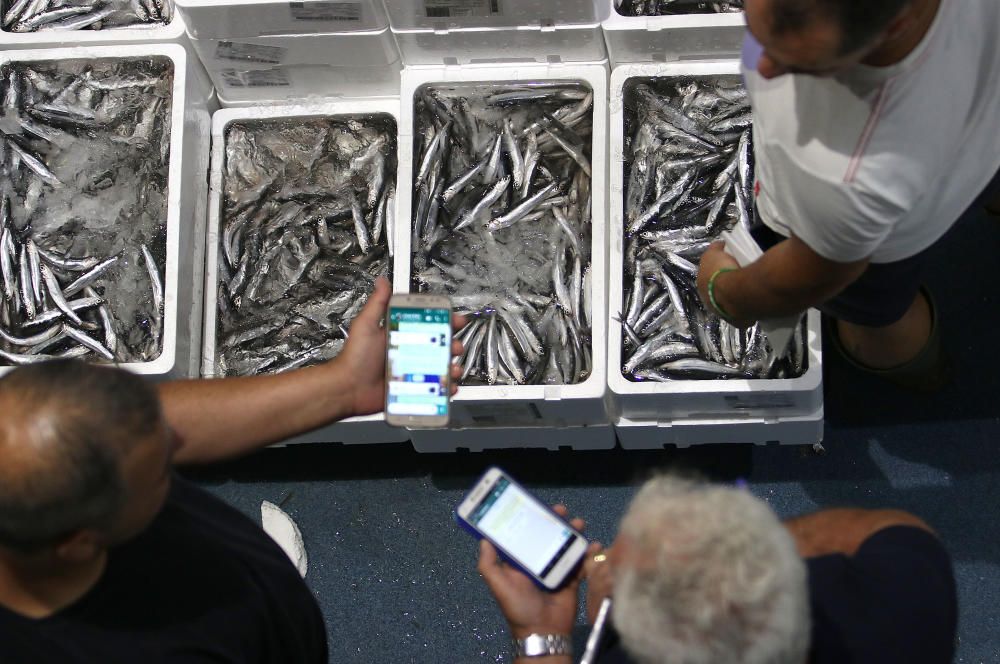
594, 640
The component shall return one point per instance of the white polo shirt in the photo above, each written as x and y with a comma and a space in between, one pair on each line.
880, 162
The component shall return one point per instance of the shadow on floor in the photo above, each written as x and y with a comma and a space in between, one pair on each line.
303, 463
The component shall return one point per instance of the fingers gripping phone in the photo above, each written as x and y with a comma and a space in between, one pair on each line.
527, 533
418, 361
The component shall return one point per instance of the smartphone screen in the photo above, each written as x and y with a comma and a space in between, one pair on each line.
535, 537
418, 362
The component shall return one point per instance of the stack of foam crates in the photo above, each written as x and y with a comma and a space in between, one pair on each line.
469, 32
632, 39
692, 412
519, 416
270, 51
186, 194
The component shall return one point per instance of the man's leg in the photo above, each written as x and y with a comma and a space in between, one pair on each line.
893, 345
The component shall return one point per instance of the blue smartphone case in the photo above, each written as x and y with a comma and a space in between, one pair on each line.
472, 530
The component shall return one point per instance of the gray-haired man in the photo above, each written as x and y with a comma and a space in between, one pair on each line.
704, 574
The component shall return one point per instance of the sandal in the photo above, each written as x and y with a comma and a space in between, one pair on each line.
926, 373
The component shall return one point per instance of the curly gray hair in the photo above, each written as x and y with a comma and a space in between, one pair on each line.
708, 575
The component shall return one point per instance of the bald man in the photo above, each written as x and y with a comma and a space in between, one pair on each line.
106, 557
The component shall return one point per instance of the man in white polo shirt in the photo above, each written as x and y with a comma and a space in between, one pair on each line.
876, 124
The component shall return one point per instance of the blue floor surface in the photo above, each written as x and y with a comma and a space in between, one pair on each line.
396, 577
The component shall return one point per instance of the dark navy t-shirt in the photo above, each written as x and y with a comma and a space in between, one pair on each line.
202, 584
893, 602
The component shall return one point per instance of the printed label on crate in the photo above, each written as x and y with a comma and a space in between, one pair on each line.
759, 401
320, 10
272, 55
256, 78
461, 8
499, 414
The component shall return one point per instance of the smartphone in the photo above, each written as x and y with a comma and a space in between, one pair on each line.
418, 361
525, 530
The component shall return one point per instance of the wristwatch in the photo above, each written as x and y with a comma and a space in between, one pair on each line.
542, 645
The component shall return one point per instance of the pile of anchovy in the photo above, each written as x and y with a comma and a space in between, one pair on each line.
670, 7
34, 15
502, 224
306, 225
688, 177
84, 152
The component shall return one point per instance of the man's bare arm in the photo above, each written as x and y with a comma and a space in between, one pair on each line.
844, 530
228, 417
788, 279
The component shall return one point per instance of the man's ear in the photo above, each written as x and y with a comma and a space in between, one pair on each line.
81, 546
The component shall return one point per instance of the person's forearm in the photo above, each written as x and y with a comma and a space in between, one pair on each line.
844, 530
775, 286
222, 418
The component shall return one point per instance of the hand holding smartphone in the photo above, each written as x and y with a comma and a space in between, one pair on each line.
526, 532
418, 361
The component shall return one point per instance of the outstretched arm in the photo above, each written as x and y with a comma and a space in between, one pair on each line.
227, 417
788, 279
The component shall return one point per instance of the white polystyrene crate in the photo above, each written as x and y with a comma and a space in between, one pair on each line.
665, 38
803, 429
264, 86
343, 49
409, 15
172, 32
596, 437
226, 19
190, 123
520, 405
355, 430
690, 398
478, 46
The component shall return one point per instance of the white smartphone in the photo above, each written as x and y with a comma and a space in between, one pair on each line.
418, 361
527, 533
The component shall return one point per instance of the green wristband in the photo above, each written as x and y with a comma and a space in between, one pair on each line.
711, 291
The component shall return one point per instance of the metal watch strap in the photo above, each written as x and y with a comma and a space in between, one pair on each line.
542, 645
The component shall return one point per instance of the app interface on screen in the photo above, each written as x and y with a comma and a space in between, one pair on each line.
531, 534
419, 357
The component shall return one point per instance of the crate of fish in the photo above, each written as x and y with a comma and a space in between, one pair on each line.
681, 174
55, 23
101, 210
260, 84
477, 32
570, 44
666, 30
504, 172
482, 46
443, 15
792, 429
240, 19
301, 223
592, 437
